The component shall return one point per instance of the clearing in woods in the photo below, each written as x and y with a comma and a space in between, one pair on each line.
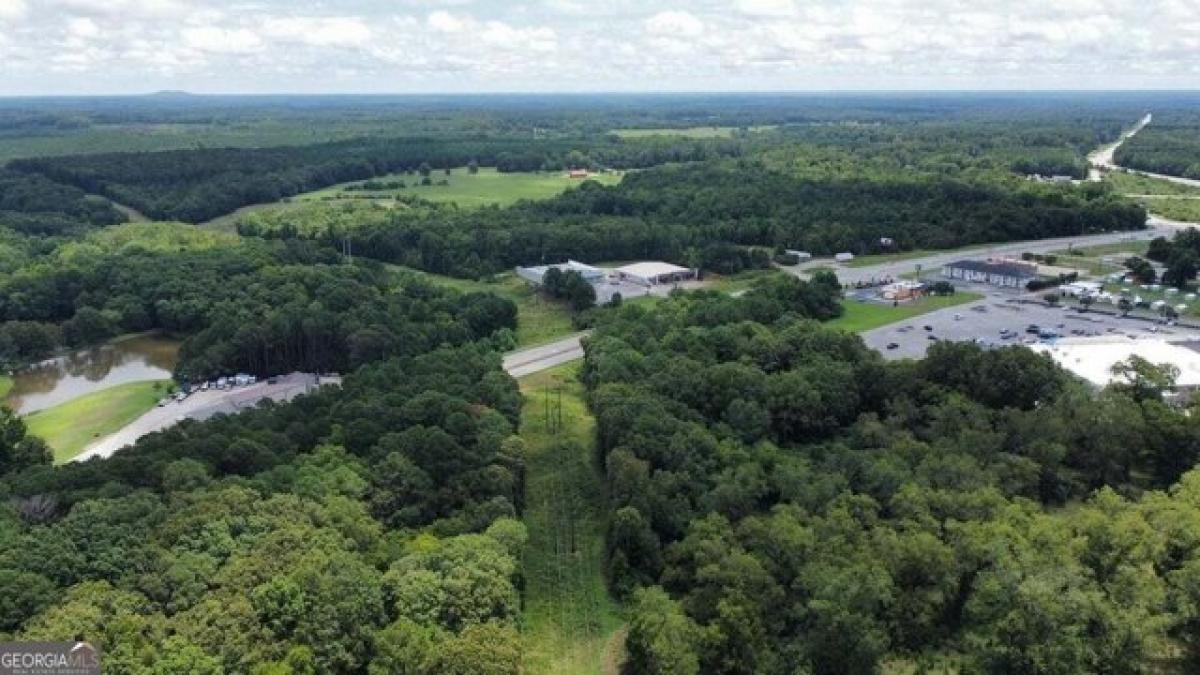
571, 625
468, 190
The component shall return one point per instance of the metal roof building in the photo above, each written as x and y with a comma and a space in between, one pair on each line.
535, 274
1093, 358
651, 273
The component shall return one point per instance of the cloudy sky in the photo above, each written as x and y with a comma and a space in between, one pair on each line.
277, 46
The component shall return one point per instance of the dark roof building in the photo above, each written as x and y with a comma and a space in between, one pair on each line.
996, 273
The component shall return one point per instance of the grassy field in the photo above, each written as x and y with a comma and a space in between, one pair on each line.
70, 427
539, 320
687, 132
1183, 209
6, 385
571, 625
487, 187
741, 281
864, 316
1133, 184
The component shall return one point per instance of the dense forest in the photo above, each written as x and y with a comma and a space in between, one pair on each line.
263, 308
35, 205
785, 501
776, 498
365, 529
1169, 145
198, 185
700, 214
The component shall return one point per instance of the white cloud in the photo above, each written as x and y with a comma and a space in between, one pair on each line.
445, 22
674, 24
125, 8
766, 7
615, 44
13, 9
222, 40
83, 27
339, 31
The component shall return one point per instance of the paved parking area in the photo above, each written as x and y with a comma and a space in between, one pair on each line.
985, 319
203, 405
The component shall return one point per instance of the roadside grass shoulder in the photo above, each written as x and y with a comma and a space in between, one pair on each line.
881, 258
70, 427
570, 623
1181, 209
860, 317
6, 385
742, 281
1135, 184
1137, 247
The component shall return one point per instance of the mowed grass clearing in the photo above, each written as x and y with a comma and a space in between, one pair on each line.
70, 427
539, 319
860, 317
571, 625
465, 189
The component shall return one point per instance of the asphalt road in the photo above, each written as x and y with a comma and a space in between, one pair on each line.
934, 261
536, 359
1102, 160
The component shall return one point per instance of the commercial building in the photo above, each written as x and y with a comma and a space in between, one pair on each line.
534, 275
903, 290
653, 273
1007, 274
1093, 358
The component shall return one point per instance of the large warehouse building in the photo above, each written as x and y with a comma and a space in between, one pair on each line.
1093, 358
653, 273
534, 275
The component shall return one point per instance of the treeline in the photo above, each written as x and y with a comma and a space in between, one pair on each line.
1170, 147
366, 529
784, 500
708, 215
197, 185
35, 205
259, 307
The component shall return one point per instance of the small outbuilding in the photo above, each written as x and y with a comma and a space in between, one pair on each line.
844, 257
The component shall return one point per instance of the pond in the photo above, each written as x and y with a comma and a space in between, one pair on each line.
47, 384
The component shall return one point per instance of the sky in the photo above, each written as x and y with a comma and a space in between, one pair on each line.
449, 46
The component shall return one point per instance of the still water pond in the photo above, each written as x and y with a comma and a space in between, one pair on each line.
47, 384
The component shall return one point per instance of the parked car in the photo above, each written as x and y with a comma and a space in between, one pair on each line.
892, 345
928, 327
1033, 328
931, 336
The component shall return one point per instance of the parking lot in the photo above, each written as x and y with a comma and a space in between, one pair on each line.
606, 288
999, 310
203, 405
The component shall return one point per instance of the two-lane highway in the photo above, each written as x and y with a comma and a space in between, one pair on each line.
536, 359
